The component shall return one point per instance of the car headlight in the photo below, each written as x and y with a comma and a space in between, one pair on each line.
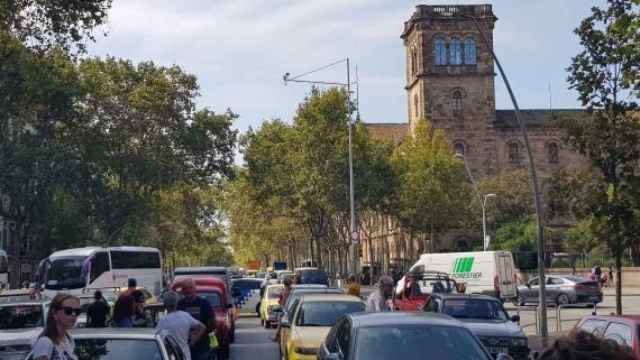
305, 350
519, 341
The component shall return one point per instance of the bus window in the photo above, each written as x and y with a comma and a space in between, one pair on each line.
99, 265
135, 259
65, 273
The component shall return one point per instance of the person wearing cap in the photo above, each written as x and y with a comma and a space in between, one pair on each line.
181, 324
380, 299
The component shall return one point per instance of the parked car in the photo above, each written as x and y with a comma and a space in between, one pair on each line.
269, 303
486, 318
215, 292
125, 344
246, 295
418, 285
311, 275
401, 335
313, 318
624, 329
20, 324
561, 290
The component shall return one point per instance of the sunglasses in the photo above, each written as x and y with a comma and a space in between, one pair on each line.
71, 311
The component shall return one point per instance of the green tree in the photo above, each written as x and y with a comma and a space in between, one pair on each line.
432, 186
603, 73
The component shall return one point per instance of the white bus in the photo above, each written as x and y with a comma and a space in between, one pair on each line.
78, 271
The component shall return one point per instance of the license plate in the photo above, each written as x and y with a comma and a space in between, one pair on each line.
498, 350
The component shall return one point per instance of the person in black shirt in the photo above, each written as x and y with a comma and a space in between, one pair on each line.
202, 311
98, 312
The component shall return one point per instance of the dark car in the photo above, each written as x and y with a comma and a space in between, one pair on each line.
401, 335
311, 276
220, 272
561, 290
486, 317
624, 330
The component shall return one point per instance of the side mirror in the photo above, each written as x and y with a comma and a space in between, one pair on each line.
515, 318
503, 356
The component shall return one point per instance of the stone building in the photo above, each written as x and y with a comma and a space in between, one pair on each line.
450, 79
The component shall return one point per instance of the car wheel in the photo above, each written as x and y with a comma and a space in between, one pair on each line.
563, 299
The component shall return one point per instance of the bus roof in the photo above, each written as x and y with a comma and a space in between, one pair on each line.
90, 250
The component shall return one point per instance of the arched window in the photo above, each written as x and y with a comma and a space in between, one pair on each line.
459, 148
553, 153
439, 52
455, 52
470, 51
457, 102
514, 153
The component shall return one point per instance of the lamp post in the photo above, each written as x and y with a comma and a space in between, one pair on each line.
353, 231
481, 198
485, 241
542, 300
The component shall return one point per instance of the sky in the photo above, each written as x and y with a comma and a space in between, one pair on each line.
240, 49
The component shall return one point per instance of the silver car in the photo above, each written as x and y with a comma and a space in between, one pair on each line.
561, 290
20, 324
125, 344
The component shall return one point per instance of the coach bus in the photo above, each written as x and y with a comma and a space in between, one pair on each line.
84, 270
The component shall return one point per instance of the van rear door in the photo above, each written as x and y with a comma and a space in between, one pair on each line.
505, 271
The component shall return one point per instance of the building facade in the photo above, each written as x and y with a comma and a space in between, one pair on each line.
450, 80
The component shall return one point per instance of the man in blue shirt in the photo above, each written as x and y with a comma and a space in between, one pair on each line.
201, 310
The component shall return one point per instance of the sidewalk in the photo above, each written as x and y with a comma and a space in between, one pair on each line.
610, 291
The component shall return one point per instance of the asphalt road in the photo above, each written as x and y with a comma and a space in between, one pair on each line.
253, 341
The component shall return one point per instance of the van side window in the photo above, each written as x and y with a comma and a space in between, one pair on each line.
620, 333
593, 326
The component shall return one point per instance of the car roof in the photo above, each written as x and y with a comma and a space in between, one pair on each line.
249, 279
320, 290
402, 318
115, 333
630, 318
309, 286
464, 296
315, 297
24, 303
200, 269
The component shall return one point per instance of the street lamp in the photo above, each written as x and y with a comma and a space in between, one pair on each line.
352, 223
542, 299
484, 221
481, 198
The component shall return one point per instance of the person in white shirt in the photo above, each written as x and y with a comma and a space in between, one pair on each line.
181, 324
55, 343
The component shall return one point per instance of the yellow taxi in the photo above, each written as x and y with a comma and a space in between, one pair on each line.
313, 316
269, 302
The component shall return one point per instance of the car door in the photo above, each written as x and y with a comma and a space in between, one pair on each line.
530, 293
174, 351
343, 337
285, 331
552, 287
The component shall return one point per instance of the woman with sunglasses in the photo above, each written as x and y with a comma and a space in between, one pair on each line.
55, 343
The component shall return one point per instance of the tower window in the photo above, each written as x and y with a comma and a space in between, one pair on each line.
514, 153
440, 52
455, 52
470, 51
553, 153
457, 103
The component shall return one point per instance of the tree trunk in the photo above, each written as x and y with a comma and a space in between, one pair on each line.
619, 283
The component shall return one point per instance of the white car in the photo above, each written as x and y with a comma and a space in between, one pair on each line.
246, 295
20, 325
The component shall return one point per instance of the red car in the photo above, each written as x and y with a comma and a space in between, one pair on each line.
417, 287
622, 329
215, 291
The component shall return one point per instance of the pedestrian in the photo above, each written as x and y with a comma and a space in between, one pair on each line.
123, 312
353, 288
286, 291
582, 345
380, 299
187, 330
201, 310
132, 285
98, 311
140, 318
611, 278
55, 343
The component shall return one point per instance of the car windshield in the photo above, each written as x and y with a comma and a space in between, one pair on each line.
475, 309
274, 292
66, 273
298, 294
213, 298
411, 342
325, 313
21, 317
117, 349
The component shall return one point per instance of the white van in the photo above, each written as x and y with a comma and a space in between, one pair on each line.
483, 272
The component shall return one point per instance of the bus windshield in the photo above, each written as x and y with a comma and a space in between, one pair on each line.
66, 273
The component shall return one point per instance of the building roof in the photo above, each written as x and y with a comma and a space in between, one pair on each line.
533, 117
393, 132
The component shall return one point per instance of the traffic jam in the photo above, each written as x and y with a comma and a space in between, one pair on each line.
119, 303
